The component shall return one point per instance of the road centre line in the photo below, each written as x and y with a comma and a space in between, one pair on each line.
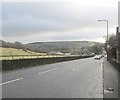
23, 78
11, 81
47, 71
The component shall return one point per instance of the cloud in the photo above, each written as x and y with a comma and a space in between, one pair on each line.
55, 21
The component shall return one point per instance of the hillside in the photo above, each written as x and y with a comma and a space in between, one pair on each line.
59, 46
73, 47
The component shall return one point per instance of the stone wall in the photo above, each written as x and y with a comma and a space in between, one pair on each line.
24, 63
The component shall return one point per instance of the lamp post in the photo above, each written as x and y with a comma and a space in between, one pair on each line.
107, 35
107, 27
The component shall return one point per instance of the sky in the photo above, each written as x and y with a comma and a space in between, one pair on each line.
57, 20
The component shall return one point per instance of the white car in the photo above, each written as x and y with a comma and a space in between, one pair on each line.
97, 57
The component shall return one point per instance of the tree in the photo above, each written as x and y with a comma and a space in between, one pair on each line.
110, 44
97, 48
111, 40
18, 45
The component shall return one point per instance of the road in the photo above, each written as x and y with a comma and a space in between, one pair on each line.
71, 79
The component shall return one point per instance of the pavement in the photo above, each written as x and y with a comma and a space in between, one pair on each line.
111, 81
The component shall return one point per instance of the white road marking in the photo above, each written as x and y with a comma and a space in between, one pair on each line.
73, 69
102, 63
11, 81
47, 71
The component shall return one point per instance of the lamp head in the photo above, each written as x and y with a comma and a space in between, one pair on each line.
103, 20
100, 20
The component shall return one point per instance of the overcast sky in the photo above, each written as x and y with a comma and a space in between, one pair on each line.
65, 20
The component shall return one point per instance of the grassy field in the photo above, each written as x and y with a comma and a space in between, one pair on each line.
12, 53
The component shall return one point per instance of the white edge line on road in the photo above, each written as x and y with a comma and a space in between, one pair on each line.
12, 81
102, 62
47, 71
74, 69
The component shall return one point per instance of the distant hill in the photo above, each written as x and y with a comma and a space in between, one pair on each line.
16, 45
63, 46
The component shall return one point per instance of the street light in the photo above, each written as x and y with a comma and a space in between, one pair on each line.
107, 28
107, 36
